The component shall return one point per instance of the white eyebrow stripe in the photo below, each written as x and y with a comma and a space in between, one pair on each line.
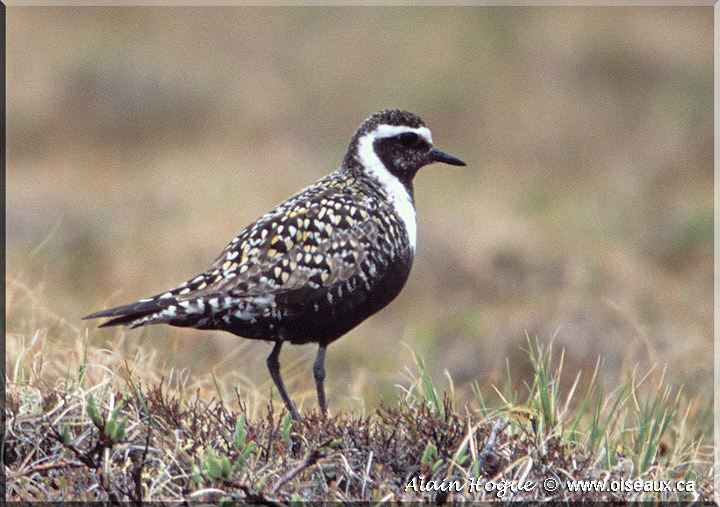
393, 130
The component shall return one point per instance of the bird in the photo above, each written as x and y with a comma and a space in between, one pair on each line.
318, 264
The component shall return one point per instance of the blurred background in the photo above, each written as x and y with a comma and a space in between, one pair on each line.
141, 140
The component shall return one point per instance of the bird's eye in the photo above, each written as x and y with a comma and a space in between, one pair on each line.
409, 139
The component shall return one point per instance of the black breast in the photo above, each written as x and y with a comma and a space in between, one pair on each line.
325, 315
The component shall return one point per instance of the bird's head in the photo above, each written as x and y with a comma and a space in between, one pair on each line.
395, 143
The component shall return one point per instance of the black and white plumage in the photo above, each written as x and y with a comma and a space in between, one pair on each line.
318, 264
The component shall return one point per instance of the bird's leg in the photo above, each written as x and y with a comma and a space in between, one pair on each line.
273, 365
319, 372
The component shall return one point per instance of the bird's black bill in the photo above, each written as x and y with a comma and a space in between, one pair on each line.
440, 156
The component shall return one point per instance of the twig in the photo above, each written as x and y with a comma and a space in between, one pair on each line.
44, 468
490, 444
137, 472
85, 458
367, 474
251, 496
311, 458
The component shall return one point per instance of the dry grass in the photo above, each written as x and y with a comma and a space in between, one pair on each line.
148, 441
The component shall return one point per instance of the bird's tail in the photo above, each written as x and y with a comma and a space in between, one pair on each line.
169, 308
145, 311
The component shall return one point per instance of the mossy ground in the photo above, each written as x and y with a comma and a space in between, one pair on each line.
179, 447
